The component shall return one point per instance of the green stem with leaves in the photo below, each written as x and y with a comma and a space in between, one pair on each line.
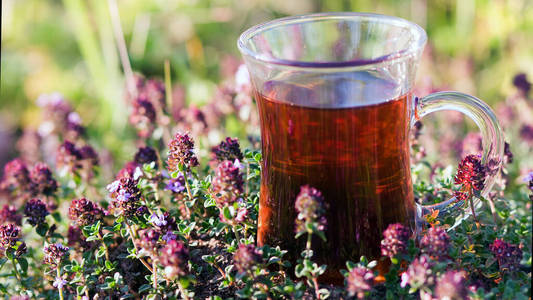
132, 236
60, 289
104, 245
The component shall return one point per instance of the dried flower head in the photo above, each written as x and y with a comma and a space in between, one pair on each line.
229, 149
451, 286
508, 255
149, 241
69, 157
174, 257
42, 180
360, 280
8, 214
85, 212
471, 173
181, 151
54, 254
9, 235
36, 211
419, 273
228, 183
246, 257
310, 207
16, 176
126, 197
435, 243
395, 239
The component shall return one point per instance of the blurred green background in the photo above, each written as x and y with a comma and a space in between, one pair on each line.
68, 46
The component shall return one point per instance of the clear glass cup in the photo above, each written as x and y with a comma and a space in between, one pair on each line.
335, 100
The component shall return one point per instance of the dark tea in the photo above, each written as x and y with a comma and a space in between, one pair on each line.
351, 144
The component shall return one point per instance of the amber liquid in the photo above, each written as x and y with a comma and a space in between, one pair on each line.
357, 155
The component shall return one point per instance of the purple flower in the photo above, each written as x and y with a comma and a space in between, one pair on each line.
310, 207
176, 185
181, 151
85, 212
228, 149
360, 280
16, 175
8, 214
435, 243
174, 257
128, 170
395, 239
69, 157
54, 254
126, 197
452, 286
522, 84
227, 184
529, 180
158, 220
146, 155
471, 173
143, 116
149, 241
36, 211
59, 282
42, 181
246, 257
508, 255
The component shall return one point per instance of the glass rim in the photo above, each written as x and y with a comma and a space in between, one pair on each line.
418, 32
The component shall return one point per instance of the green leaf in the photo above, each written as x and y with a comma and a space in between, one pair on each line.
42, 229
23, 264
227, 213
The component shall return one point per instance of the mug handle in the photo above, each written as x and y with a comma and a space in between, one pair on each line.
492, 141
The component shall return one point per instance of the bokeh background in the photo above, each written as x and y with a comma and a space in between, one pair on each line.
69, 46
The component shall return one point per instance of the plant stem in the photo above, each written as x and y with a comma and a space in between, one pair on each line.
17, 274
237, 236
315, 283
105, 246
59, 287
182, 291
132, 236
188, 194
308, 244
154, 267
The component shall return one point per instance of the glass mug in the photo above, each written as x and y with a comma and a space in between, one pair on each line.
334, 96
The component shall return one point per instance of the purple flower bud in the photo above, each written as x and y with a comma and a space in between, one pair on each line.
9, 235
227, 184
452, 286
59, 282
471, 173
522, 84
8, 214
435, 243
181, 151
228, 149
310, 207
174, 257
89, 155
54, 254
128, 170
143, 116
69, 157
508, 255
360, 280
146, 155
36, 211
42, 181
395, 239
85, 212
246, 257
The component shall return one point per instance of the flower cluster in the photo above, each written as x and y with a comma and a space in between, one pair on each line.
471, 173
166, 224
85, 212
228, 183
310, 207
126, 197
452, 286
35, 211
16, 176
143, 116
435, 243
149, 242
228, 149
419, 273
508, 255
9, 235
54, 254
8, 214
246, 257
42, 180
395, 239
68, 157
181, 152
146, 155
174, 257
360, 280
